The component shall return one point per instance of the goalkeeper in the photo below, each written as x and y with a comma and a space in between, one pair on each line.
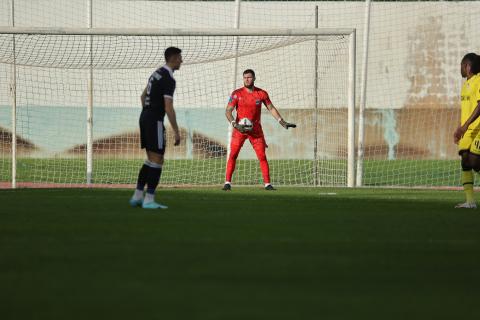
248, 102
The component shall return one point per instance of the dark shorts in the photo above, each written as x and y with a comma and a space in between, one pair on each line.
152, 135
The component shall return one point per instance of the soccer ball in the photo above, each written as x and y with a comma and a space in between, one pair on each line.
246, 123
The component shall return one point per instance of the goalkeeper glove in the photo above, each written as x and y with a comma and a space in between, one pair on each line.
286, 125
240, 127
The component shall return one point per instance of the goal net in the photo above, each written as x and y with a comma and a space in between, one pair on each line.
70, 102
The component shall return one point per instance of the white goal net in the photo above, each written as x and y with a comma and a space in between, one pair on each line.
45, 77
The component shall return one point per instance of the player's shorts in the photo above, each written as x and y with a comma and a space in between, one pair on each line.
257, 139
152, 135
470, 142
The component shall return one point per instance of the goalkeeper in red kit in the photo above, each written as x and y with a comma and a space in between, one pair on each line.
247, 101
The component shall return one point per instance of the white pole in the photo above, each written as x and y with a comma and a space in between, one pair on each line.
315, 138
13, 91
363, 96
189, 137
351, 111
90, 102
236, 25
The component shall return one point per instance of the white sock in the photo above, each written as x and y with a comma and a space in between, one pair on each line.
138, 194
267, 184
149, 197
228, 182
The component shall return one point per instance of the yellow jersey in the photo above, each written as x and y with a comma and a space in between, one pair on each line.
470, 96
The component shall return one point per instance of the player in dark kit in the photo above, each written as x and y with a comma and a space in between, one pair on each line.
247, 101
157, 100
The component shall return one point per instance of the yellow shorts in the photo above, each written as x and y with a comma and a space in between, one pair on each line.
470, 142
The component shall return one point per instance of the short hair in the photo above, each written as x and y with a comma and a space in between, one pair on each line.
249, 71
171, 51
474, 60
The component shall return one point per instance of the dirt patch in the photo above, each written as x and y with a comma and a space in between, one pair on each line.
24, 147
128, 145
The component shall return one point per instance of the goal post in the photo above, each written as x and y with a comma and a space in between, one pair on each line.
54, 66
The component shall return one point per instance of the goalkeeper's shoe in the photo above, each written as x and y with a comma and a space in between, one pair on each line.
466, 205
269, 187
227, 187
153, 205
136, 202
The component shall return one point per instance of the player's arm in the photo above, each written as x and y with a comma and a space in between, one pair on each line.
460, 131
229, 114
168, 86
143, 96
278, 117
172, 117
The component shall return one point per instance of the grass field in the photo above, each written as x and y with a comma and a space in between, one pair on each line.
296, 253
433, 173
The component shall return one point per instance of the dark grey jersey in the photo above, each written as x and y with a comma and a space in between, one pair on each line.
161, 84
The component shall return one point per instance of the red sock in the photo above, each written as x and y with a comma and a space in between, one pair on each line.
230, 168
259, 146
232, 158
265, 170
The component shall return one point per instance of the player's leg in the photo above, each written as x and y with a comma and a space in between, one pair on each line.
471, 159
155, 172
474, 160
152, 134
155, 156
467, 177
238, 139
145, 128
467, 181
137, 198
474, 154
259, 145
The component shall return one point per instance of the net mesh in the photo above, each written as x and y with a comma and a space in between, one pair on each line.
413, 67
52, 97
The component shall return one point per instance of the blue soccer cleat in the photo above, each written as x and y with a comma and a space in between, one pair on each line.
136, 202
153, 205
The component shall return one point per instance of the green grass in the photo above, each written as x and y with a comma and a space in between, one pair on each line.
297, 253
211, 171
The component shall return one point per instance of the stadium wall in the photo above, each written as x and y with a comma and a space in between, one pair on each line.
413, 70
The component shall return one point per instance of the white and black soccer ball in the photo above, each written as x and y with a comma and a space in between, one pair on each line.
246, 123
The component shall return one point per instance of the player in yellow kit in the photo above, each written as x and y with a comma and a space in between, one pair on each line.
467, 135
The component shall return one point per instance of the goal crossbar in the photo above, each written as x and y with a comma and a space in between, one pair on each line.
178, 32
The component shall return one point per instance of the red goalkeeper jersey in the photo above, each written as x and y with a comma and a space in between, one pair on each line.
249, 104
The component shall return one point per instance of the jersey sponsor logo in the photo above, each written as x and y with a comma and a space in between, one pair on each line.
258, 102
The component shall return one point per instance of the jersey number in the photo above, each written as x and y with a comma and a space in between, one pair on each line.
149, 89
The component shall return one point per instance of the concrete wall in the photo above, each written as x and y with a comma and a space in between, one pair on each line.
414, 58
